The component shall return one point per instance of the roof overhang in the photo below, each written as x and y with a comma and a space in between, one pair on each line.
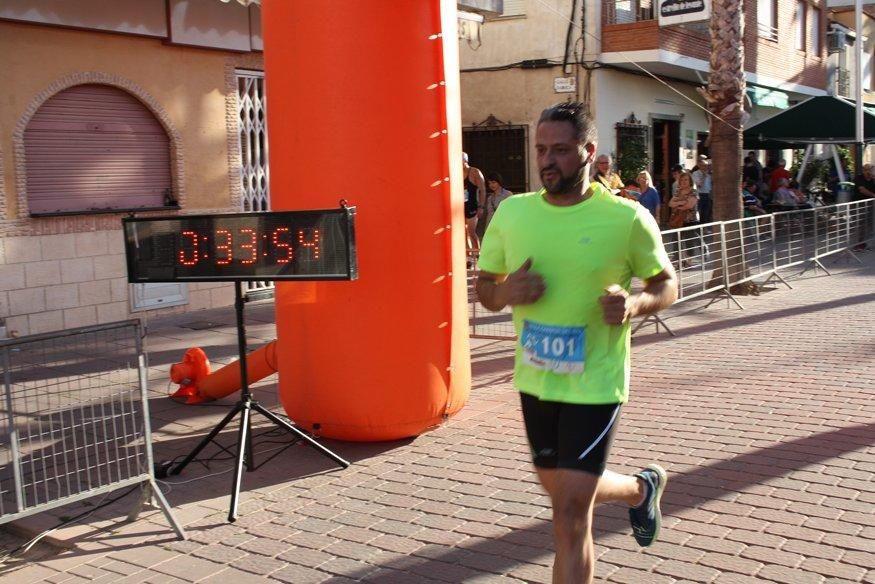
484, 7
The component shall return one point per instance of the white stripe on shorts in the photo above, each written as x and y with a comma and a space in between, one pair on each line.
602, 435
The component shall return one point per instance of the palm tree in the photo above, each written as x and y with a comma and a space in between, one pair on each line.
725, 98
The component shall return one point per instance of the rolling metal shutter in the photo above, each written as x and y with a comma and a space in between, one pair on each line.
95, 147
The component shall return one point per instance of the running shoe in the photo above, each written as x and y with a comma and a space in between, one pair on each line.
646, 518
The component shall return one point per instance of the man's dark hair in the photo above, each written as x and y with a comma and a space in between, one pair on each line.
496, 177
577, 114
678, 168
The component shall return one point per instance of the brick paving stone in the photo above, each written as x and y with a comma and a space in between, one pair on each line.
389, 576
221, 554
633, 576
713, 544
833, 569
353, 550
532, 573
35, 573
232, 576
259, 564
795, 532
486, 530
731, 563
679, 569
630, 559
396, 544
309, 540
787, 575
813, 550
300, 575
855, 558
188, 568
348, 567
848, 542
731, 578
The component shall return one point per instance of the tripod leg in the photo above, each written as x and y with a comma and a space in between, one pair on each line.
242, 445
299, 434
209, 438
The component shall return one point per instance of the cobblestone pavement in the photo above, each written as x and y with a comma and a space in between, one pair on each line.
763, 417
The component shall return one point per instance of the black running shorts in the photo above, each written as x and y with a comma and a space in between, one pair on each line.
573, 436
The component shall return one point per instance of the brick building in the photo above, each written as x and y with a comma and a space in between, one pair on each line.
541, 52
134, 106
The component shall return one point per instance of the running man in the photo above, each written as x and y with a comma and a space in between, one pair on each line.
563, 258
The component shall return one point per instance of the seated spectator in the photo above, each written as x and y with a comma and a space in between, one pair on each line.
786, 198
864, 184
755, 189
649, 198
750, 202
778, 173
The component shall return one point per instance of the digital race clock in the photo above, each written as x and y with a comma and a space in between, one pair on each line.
282, 245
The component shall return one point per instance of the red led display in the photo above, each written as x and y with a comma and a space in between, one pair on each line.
284, 245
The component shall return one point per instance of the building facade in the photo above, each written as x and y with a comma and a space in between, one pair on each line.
640, 78
131, 107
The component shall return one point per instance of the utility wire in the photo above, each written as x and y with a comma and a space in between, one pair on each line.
638, 65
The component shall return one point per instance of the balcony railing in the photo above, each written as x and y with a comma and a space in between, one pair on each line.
627, 11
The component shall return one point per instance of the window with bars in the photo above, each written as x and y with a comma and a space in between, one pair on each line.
767, 19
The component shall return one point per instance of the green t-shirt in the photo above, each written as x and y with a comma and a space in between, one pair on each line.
579, 251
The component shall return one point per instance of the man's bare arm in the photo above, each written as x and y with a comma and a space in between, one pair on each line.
480, 183
659, 292
520, 287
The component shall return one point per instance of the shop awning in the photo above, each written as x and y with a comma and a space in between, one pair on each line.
768, 97
823, 119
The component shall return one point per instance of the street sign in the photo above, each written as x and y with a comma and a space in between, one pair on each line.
683, 11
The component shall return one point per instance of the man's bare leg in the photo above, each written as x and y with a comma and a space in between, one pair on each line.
471, 234
573, 495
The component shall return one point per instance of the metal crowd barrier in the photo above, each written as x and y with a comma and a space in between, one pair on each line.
74, 421
713, 259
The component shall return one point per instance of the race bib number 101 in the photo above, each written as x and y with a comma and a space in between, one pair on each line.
559, 349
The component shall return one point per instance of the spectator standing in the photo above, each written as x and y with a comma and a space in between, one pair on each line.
864, 188
648, 197
750, 173
606, 176
676, 171
475, 202
497, 194
756, 169
702, 178
685, 203
685, 213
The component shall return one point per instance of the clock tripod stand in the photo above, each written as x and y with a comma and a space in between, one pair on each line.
245, 406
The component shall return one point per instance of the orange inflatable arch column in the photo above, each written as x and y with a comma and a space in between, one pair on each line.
364, 105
